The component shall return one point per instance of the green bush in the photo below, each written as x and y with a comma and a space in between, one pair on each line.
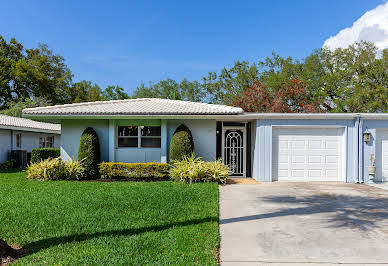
75, 170
55, 169
182, 143
40, 154
133, 170
89, 153
7, 164
192, 169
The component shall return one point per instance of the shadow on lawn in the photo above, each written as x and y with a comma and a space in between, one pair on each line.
360, 212
39, 245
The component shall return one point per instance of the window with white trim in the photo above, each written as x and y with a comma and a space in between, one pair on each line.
46, 142
139, 137
18, 140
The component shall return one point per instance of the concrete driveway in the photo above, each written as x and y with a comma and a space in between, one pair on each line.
296, 223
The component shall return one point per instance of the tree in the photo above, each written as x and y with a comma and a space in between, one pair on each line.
30, 73
291, 97
84, 91
114, 93
230, 82
170, 89
15, 108
352, 79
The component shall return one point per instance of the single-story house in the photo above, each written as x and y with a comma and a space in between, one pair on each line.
265, 146
24, 134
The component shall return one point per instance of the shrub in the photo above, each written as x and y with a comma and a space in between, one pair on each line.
55, 169
7, 164
182, 143
49, 169
133, 170
40, 154
75, 170
192, 169
89, 152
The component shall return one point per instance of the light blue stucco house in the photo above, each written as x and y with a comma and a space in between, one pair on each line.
24, 134
265, 146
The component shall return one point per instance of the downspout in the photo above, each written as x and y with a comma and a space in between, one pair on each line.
360, 151
357, 129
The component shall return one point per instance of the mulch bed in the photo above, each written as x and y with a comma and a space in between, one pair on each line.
127, 179
9, 254
242, 181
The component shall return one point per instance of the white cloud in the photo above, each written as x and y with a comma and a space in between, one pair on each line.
372, 26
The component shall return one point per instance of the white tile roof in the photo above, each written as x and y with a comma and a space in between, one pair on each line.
142, 106
18, 122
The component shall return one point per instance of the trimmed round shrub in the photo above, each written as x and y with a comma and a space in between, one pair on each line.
89, 153
182, 143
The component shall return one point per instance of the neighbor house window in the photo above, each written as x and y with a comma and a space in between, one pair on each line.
46, 142
139, 136
18, 140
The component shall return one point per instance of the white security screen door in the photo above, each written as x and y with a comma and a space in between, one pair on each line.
233, 150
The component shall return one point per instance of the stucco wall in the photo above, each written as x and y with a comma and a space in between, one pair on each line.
370, 148
29, 141
262, 162
5, 144
71, 133
204, 135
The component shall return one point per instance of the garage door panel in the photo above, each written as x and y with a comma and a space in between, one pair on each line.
315, 144
314, 173
307, 154
382, 154
330, 159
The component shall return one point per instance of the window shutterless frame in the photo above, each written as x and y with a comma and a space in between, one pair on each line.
146, 136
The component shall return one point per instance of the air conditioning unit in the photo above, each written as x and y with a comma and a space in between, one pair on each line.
20, 157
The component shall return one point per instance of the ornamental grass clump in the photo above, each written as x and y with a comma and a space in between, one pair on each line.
56, 169
192, 169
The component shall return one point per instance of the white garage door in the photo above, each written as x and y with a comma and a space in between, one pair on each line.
382, 154
307, 154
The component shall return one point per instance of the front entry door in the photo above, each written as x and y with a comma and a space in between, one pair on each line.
233, 150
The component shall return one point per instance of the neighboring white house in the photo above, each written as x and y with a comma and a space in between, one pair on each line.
265, 146
24, 134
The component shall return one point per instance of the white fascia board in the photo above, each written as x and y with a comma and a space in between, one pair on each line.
30, 129
232, 117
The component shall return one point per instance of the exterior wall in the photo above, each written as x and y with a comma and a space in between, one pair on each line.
29, 141
262, 162
5, 144
370, 148
204, 135
71, 133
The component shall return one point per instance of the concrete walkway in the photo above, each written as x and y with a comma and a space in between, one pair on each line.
303, 223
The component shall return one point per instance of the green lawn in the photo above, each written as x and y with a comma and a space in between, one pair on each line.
65, 222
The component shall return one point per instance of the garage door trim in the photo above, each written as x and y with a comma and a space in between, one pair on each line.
343, 148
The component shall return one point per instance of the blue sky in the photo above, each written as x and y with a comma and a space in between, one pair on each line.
130, 42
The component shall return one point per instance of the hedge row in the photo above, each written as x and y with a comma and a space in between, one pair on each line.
42, 154
133, 170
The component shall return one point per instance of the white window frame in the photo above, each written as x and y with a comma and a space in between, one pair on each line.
18, 142
139, 137
44, 140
